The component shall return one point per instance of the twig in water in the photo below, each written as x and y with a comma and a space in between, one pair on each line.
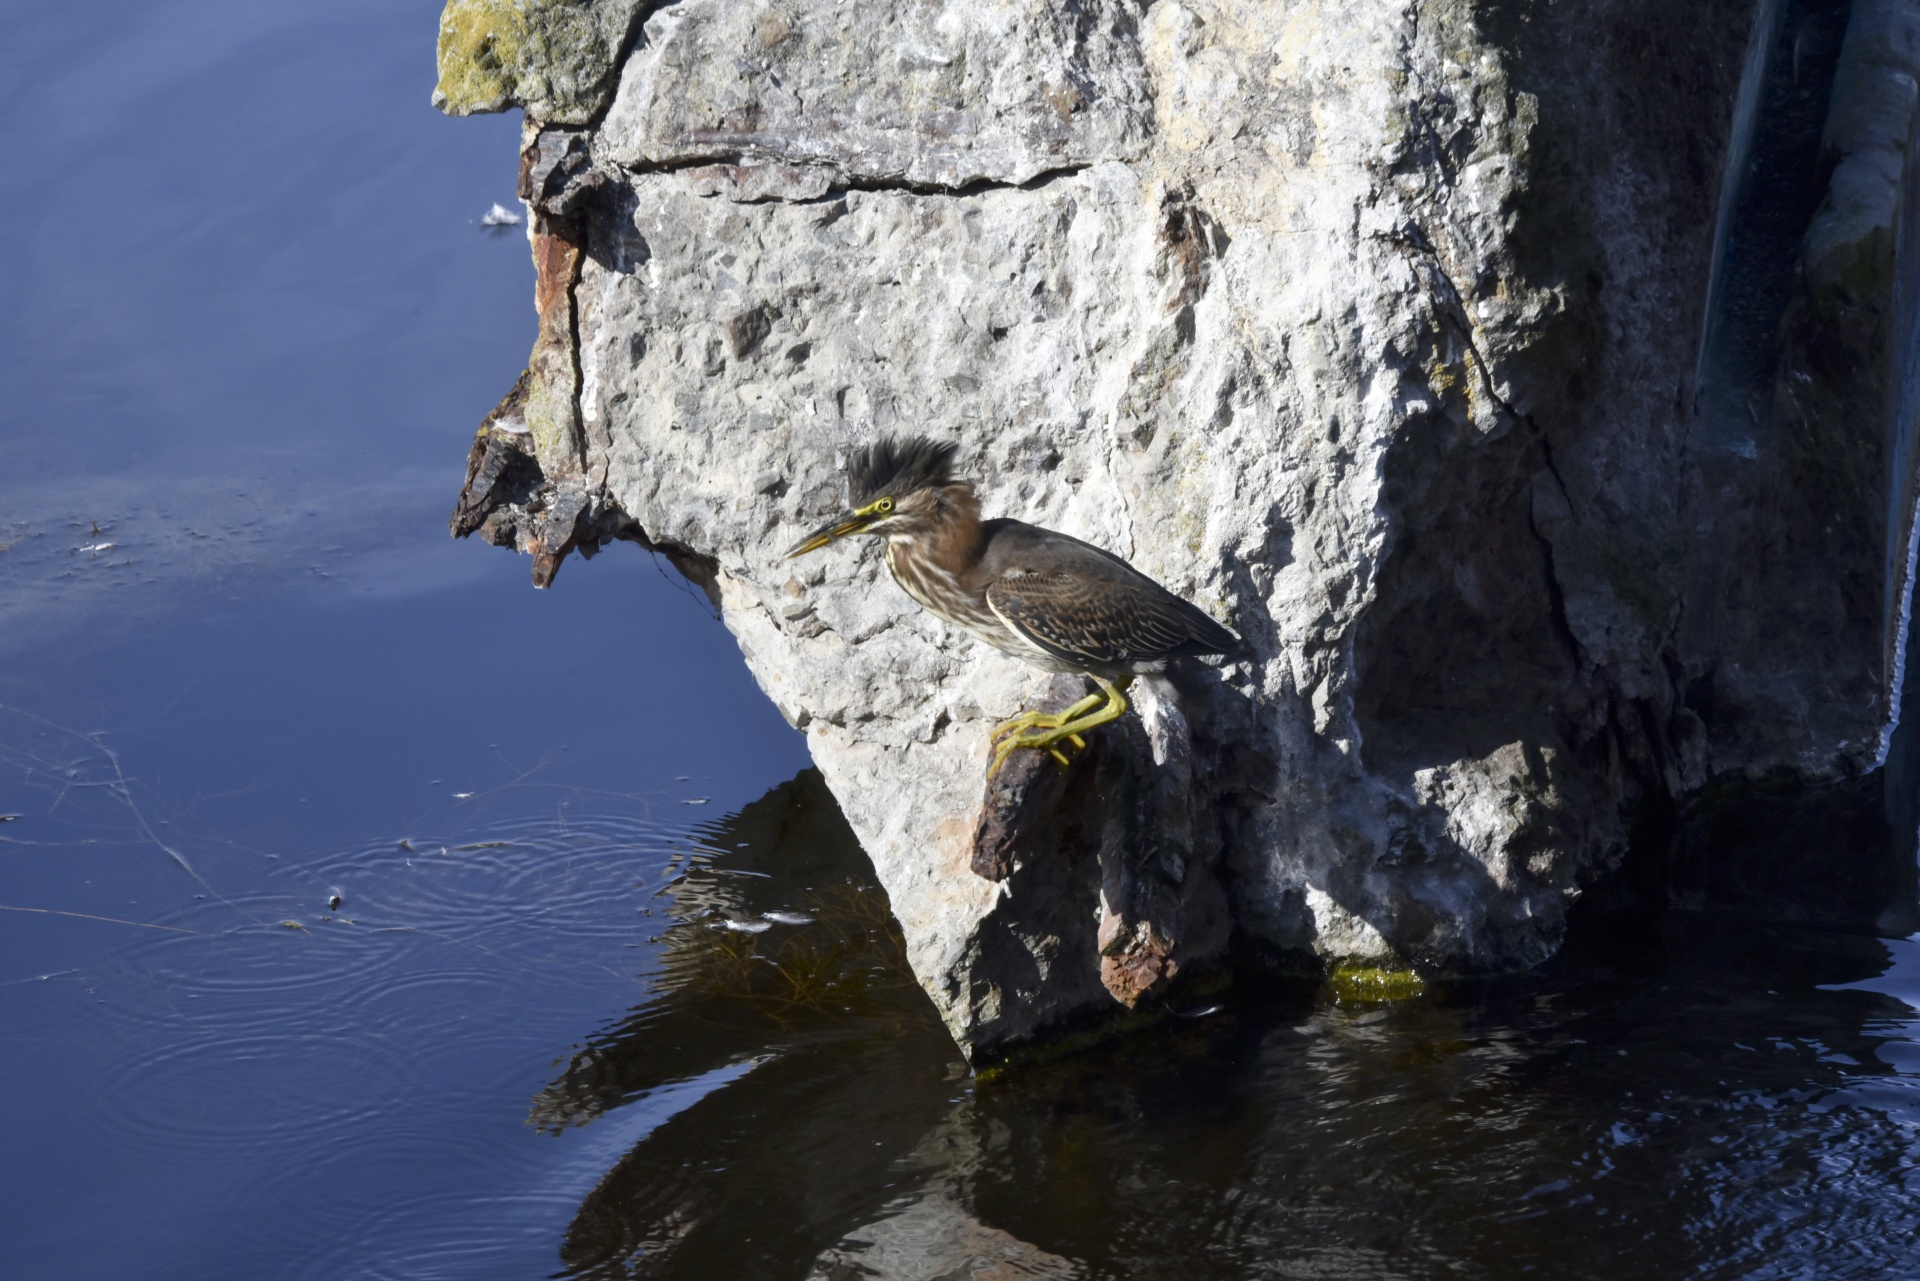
111, 920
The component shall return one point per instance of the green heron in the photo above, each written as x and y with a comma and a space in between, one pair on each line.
1056, 602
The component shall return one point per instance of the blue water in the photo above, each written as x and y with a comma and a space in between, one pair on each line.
251, 324
365, 913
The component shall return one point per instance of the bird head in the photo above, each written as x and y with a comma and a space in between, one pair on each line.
895, 487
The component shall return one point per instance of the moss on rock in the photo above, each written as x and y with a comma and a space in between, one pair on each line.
1373, 984
556, 58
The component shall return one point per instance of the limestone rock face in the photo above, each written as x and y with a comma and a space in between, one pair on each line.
1372, 327
916, 95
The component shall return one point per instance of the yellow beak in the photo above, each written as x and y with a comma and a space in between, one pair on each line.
851, 523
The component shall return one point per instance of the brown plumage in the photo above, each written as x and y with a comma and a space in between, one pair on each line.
1061, 604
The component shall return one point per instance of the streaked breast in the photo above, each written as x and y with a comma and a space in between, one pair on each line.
941, 593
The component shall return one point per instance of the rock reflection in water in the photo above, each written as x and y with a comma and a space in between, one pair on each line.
1665, 1121
759, 1178
1701, 1099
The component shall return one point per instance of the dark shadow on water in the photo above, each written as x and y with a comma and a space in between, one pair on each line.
1688, 1104
846, 1065
1692, 1096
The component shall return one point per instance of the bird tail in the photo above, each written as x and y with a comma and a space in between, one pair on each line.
1207, 636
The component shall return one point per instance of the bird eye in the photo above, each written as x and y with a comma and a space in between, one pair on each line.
884, 506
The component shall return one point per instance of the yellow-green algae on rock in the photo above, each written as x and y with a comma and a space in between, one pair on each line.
555, 58
1373, 984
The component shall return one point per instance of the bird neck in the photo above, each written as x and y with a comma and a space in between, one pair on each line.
951, 535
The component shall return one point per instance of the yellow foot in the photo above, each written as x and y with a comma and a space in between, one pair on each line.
1038, 739
1043, 731
1046, 720
1042, 740
1080, 744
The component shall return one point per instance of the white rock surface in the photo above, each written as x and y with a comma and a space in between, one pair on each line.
921, 95
1366, 325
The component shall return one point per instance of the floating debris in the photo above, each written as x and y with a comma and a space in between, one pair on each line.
463, 796
788, 918
291, 925
743, 927
10, 818
96, 548
406, 845
500, 216
697, 800
1198, 1011
483, 845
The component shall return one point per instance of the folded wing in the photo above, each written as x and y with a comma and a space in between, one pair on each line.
1103, 614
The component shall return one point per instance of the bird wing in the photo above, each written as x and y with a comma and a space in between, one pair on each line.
1096, 619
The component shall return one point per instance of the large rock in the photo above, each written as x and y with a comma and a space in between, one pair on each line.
1374, 328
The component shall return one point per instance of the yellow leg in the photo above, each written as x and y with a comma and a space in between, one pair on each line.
1046, 720
1044, 737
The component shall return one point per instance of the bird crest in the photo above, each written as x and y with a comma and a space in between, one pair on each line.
899, 466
